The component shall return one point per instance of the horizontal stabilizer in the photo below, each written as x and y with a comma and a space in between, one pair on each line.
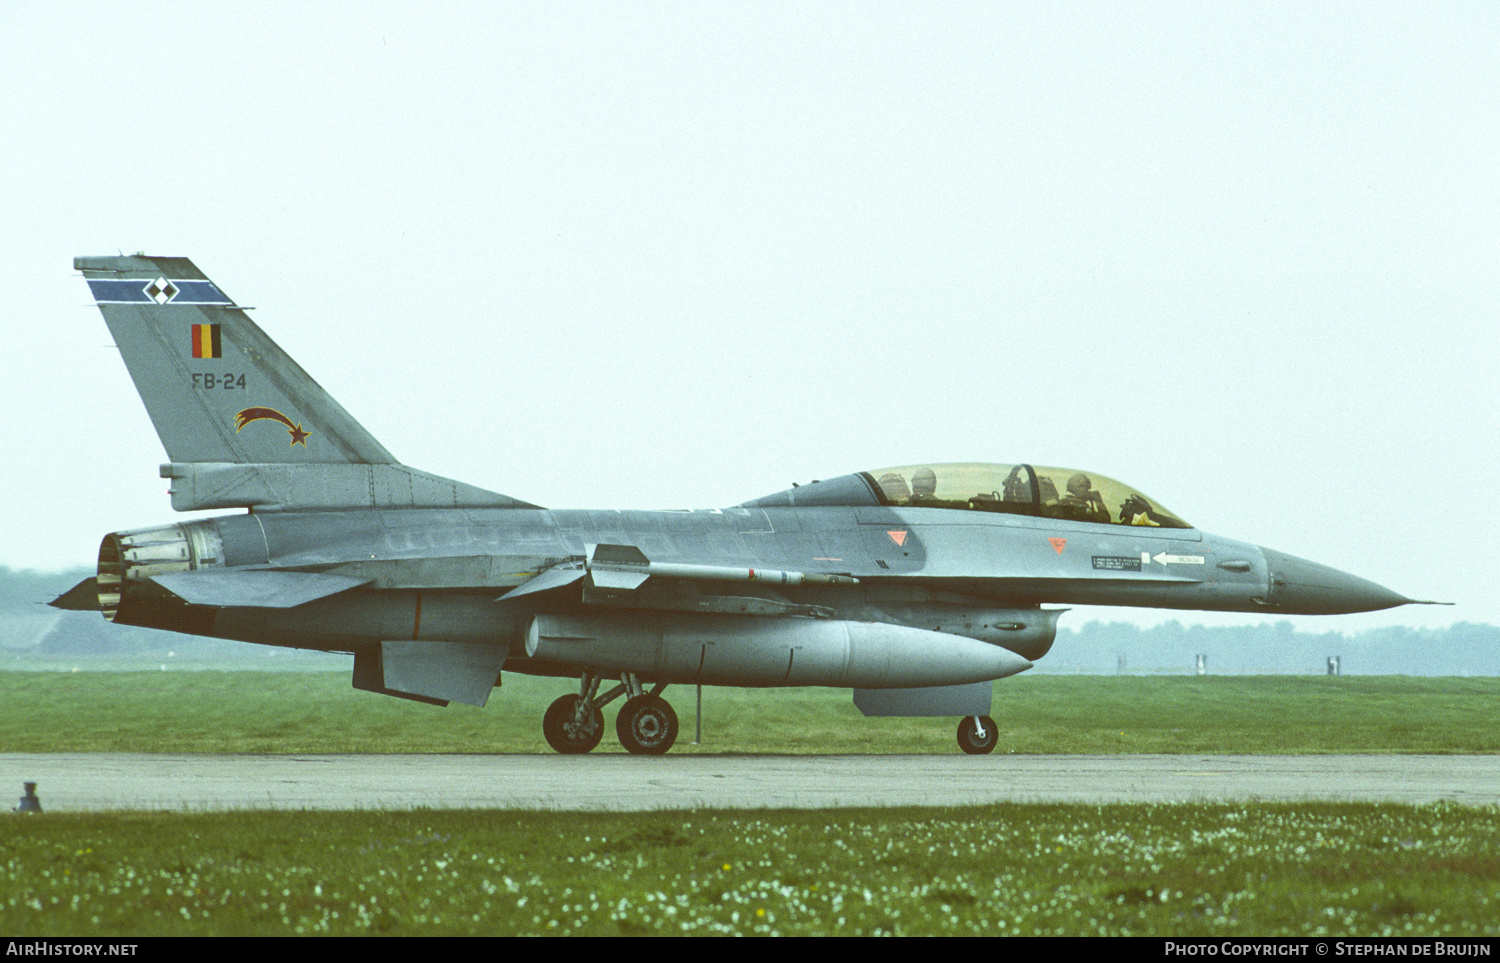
254, 589
83, 597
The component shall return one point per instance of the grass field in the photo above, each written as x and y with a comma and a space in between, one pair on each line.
1220, 870
1189, 869
209, 711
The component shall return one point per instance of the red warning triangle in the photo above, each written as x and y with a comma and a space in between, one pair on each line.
1058, 543
898, 537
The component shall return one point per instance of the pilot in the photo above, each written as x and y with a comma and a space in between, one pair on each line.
1047, 492
924, 491
893, 486
924, 487
1082, 502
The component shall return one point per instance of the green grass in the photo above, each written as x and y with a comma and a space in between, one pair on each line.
208, 711
1191, 869
1221, 870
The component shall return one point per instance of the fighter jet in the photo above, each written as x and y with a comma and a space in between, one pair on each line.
915, 586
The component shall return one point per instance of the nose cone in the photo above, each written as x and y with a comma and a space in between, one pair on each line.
1300, 587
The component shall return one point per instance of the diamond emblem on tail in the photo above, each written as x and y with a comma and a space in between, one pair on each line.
161, 290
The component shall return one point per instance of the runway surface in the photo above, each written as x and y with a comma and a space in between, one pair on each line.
82, 781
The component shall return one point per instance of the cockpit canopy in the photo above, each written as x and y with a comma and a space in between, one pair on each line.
1020, 490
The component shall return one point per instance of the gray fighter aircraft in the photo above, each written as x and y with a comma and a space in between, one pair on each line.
914, 586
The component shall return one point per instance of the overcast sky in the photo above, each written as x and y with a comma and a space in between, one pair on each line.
1241, 256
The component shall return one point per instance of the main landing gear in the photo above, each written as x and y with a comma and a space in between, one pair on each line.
646, 725
977, 735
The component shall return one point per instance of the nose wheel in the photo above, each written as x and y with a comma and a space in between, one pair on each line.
977, 735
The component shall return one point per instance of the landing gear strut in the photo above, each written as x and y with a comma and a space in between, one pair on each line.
977, 735
646, 725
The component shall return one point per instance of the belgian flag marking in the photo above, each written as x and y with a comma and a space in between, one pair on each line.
206, 341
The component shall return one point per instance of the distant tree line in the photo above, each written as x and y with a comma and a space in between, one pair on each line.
1095, 648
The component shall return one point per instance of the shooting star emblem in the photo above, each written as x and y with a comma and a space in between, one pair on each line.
247, 415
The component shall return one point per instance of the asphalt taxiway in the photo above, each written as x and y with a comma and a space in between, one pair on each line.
95, 782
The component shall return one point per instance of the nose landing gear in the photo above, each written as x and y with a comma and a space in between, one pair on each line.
977, 735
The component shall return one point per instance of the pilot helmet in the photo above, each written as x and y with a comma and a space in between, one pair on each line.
893, 486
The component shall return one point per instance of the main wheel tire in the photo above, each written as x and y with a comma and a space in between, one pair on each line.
563, 730
646, 725
969, 739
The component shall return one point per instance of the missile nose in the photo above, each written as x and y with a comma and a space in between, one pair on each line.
1300, 587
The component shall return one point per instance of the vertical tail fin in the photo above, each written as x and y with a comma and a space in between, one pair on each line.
241, 421
216, 387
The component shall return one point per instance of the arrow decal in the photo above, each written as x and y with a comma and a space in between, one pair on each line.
1165, 559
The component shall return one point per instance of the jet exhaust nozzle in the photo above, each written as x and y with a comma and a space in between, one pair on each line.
127, 560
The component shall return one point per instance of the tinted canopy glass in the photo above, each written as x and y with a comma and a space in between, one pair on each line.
1021, 490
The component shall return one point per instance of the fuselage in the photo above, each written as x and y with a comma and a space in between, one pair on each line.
444, 573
